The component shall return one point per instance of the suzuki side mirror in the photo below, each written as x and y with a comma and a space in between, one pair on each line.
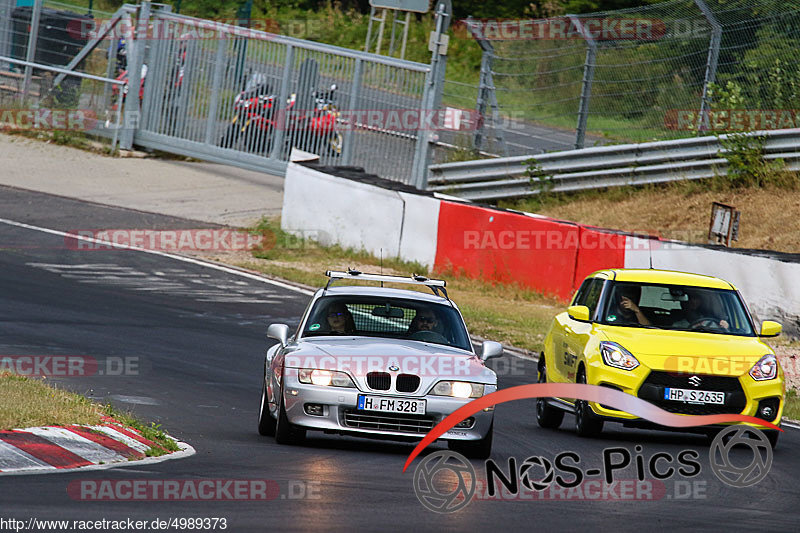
770, 329
578, 312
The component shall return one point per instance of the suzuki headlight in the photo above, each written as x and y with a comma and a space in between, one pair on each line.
766, 368
458, 389
617, 356
325, 378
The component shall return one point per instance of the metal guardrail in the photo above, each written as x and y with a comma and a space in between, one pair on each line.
600, 167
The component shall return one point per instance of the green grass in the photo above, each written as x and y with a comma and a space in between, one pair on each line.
792, 408
152, 432
27, 402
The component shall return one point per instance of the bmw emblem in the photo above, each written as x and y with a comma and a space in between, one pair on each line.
394, 368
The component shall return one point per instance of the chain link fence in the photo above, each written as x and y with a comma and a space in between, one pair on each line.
40, 87
664, 71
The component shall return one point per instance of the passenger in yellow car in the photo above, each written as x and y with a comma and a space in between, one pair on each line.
626, 299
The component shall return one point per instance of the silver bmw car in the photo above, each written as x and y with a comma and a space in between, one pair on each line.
377, 362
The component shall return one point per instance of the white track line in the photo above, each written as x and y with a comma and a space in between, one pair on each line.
162, 254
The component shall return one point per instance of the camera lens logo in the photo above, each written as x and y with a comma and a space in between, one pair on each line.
525, 473
445, 482
722, 464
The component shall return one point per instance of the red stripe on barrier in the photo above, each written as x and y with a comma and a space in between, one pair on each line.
43, 449
107, 442
506, 247
598, 250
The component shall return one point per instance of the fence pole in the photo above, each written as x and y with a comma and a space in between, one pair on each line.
30, 56
213, 106
347, 149
711, 63
586, 86
432, 95
6, 29
135, 61
154, 89
281, 115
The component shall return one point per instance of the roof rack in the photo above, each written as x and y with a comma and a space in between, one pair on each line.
436, 285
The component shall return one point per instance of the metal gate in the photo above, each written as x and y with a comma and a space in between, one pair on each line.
238, 96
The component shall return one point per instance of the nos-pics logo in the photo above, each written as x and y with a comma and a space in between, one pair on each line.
446, 481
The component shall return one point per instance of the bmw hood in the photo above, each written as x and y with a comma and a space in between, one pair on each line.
359, 356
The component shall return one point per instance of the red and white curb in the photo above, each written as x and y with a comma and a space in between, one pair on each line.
51, 449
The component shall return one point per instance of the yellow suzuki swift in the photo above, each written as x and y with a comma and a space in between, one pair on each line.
684, 342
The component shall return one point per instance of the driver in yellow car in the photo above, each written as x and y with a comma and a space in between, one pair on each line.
698, 306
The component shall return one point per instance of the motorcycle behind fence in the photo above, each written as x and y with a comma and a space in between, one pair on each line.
256, 120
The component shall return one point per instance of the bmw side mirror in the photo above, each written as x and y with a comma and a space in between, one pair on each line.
578, 312
490, 350
279, 332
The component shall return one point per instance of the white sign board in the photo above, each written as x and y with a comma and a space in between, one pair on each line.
417, 6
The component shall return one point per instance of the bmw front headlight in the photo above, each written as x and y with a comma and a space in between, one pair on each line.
458, 389
325, 378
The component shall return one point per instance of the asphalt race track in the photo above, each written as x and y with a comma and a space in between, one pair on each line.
198, 335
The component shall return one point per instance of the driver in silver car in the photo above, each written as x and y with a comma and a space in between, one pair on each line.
424, 320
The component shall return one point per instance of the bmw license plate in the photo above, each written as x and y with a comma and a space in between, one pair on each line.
391, 405
694, 396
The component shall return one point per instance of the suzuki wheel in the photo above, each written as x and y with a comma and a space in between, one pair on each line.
547, 416
587, 424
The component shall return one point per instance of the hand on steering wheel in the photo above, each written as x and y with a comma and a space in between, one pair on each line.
707, 321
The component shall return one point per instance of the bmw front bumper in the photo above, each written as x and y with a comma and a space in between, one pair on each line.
339, 413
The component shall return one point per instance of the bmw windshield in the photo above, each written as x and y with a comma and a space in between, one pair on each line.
675, 307
393, 318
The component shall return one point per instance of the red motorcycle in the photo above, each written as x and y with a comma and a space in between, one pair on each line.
254, 122
122, 75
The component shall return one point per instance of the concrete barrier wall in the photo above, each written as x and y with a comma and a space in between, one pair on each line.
359, 215
544, 254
